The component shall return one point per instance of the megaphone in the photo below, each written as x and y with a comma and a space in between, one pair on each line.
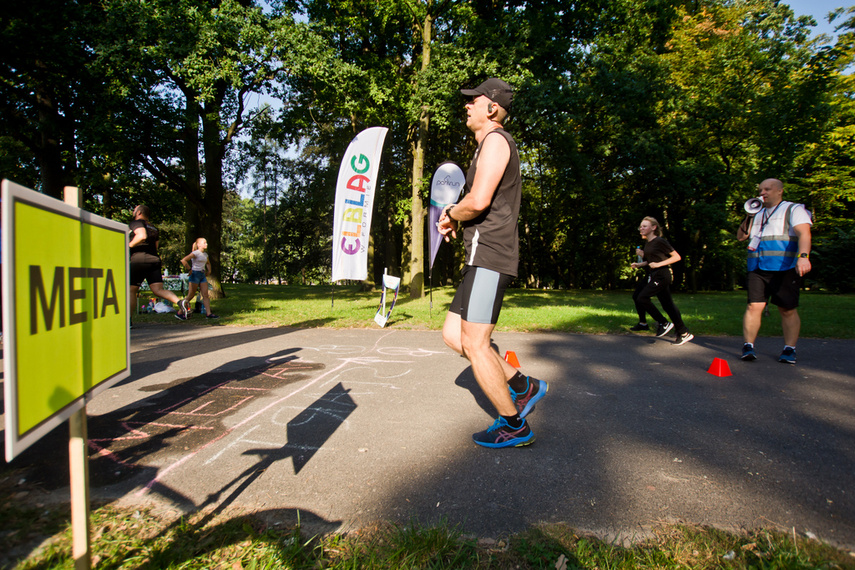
753, 205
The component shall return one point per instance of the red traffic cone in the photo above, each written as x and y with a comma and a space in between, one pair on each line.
719, 367
511, 358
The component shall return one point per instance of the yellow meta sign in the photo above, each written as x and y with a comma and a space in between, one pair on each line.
65, 317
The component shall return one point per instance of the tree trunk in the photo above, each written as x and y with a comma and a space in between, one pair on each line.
211, 216
417, 228
48, 153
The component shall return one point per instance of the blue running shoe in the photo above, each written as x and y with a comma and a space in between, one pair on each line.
788, 356
748, 353
525, 401
500, 434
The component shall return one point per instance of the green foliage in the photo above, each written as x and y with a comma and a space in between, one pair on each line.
833, 262
242, 249
622, 109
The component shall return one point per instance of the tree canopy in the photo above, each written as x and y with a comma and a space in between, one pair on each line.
622, 109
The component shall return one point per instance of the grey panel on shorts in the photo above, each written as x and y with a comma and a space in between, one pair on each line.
483, 296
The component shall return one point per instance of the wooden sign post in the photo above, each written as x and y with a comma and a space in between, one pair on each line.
65, 326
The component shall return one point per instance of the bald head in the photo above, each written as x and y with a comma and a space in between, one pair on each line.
772, 192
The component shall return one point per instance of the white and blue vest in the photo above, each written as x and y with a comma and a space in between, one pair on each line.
779, 245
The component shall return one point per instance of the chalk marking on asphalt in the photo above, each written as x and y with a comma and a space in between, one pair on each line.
380, 339
275, 358
377, 360
139, 434
104, 452
164, 411
196, 412
242, 439
326, 348
336, 349
279, 373
159, 424
341, 417
134, 434
161, 474
376, 375
229, 446
383, 384
284, 446
290, 362
404, 351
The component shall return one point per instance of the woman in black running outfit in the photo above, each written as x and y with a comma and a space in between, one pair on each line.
145, 264
657, 256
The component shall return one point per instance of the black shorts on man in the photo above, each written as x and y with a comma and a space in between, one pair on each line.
781, 287
479, 297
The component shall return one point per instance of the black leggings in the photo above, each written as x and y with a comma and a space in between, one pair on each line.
658, 283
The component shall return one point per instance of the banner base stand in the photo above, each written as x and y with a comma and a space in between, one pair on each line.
389, 282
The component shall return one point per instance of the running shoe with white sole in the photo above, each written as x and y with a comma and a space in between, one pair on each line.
664, 328
788, 356
683, 338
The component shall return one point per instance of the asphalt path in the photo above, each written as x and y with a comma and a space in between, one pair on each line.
343, 428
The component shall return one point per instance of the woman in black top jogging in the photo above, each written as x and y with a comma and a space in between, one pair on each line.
657, 255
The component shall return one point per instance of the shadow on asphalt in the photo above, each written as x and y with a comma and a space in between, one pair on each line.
186, 412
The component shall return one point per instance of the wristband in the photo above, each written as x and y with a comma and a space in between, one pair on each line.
448, 213
804, 256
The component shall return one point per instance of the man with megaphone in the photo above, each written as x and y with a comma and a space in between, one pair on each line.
778, 257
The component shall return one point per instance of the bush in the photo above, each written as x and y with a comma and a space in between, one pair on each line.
832, 262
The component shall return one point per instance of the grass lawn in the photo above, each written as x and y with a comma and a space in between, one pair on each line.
591, 312
136, 539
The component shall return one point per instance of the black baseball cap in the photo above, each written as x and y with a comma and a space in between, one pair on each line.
494, 89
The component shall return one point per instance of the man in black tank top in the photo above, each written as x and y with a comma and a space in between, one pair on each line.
487, 216
145, 264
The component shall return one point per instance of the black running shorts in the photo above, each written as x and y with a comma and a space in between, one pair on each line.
145, 267
782, 287
479, 298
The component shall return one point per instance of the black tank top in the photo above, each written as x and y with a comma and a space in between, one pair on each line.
492, 239
149, 245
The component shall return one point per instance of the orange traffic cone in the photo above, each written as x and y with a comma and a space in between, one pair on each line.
719, 367
511, 358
